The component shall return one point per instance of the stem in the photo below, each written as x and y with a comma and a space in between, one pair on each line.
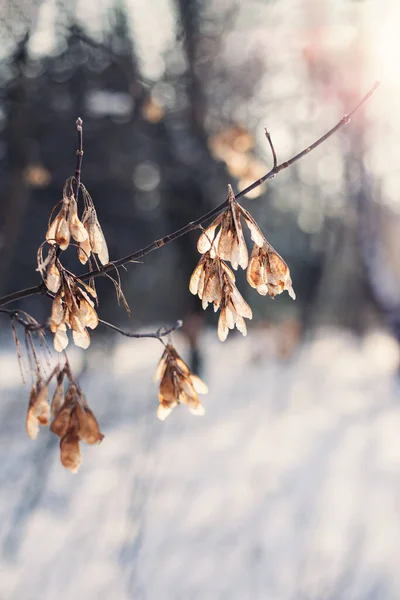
31, 291
163, 331
79, 157
193, 224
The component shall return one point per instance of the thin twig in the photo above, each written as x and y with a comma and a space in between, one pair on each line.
198, 222
79, 157
268, 136
162, 332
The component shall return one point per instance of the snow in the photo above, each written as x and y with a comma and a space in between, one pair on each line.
288, 487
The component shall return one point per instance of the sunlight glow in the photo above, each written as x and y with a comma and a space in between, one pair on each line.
386, 48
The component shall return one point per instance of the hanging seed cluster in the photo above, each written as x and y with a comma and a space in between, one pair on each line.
74, 301
178, 385
86, 232
214, 282
72, 420
73, 307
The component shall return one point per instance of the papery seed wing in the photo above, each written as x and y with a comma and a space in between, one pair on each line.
70, 452
228, 271
84, 251
57, 310
164, 410
81, 338
167, 386
255, 271
222, 326
51, 232
75, 321
58, 399
195, 279
206, 238
255, 232
198, 384
62, 235
188, 390
89, 289
96, 237
61, 422
227, 235
77, 230
212, 290
87, 314
240, 305
89, 431
214, 247
160, 369
32, 424
241, 325
60, 338
182, 366
197, 410
53, 279
230, 318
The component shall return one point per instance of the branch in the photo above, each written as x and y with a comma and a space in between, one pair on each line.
79, 157
30, 324
162, 332
198, 222
268, 136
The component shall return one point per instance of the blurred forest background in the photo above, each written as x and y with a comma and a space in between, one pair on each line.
288, 488
175, 97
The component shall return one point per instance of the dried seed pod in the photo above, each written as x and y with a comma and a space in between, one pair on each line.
61, 423
70, 452
53, 279
60, 340
268, 272
38, 410
77, 230
81, 338
84, 250
96, 236
57, 312
58, 398
177, 385
41, 404
32, 422
229, 243
58, 231
88, 431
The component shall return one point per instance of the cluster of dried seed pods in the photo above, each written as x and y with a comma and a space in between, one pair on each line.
214, 282
73, 307
73, 421
178, 385
86, 232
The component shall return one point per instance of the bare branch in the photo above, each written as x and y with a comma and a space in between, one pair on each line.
206, 217
162, 332
79, 157
268, 136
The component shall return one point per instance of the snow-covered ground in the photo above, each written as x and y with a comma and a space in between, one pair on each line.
288, 488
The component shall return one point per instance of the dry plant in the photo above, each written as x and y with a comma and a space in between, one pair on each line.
73, 222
